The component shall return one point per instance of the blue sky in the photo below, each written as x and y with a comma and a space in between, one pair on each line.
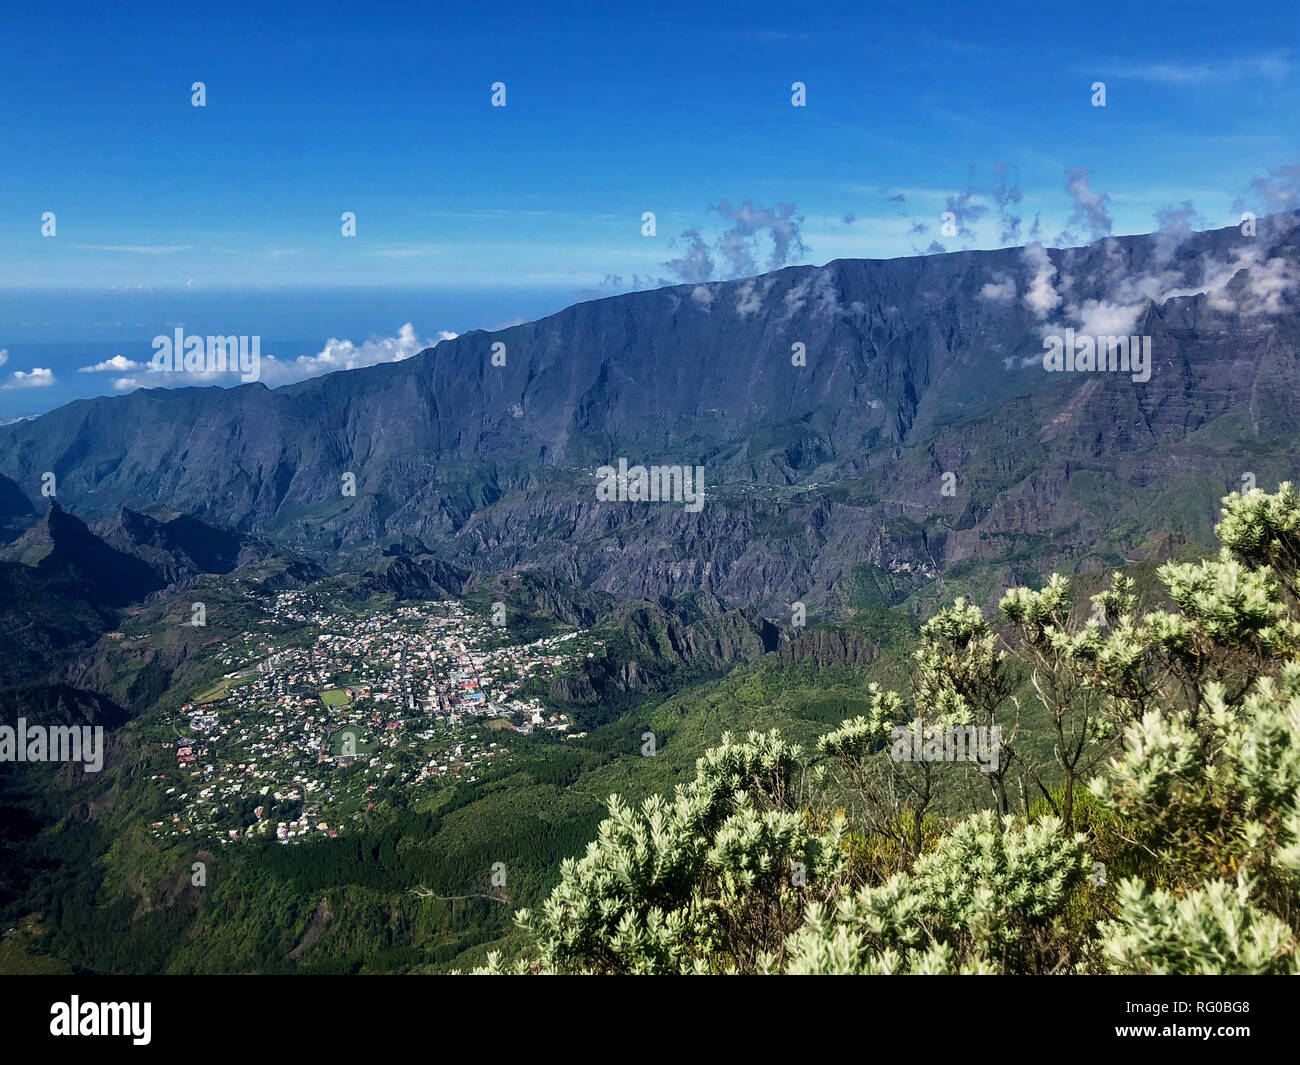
484, 215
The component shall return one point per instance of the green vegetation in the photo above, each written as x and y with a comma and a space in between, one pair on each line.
1167, 841
1142, 814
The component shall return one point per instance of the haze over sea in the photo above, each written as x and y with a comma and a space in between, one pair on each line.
65, 331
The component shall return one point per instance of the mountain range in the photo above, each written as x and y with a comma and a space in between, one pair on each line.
876, 437
860, 421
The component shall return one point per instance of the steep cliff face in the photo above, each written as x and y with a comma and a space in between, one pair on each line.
60, 545
60, 589
826, 648
654, 646
16, 510
176, 546
420, 577
698, 631
915, 369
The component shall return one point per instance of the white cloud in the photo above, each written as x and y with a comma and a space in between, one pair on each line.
1263, 284
1248, 285
37, 377
1040, 296
1002, 289
797, 297
4, 356
826, 295
137, 249
1089, 206
1274, 66
117, 364
345, 355
1262, 288
1099, 318
748, 300
1267, 285
335, 355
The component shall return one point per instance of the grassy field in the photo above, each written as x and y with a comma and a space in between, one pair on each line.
222, 688
334, 697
